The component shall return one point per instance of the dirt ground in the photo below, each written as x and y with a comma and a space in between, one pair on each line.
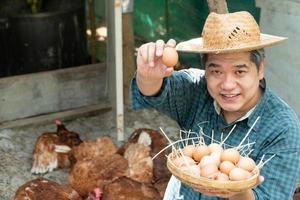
16, 144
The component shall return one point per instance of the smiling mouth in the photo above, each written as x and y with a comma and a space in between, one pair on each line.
230, 97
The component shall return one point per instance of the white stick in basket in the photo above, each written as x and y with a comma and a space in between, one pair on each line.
262, 163
246, 148
180, 134
249, 152
222, 134
247, 134
243, 147
169, 140
223, 141
178, 141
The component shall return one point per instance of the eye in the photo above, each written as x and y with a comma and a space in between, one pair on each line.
216, 72
240, 72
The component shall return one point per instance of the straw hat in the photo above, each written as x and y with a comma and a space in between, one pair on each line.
230, 32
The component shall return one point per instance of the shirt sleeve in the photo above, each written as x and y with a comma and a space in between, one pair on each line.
282, 172
178, 94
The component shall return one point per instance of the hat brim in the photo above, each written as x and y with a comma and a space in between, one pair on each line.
196, 45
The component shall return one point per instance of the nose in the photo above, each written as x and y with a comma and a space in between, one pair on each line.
228, 83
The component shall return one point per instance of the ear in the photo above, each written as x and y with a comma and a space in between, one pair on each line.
205, 74
261, 70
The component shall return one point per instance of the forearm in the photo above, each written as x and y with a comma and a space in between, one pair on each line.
148, 87
247, 195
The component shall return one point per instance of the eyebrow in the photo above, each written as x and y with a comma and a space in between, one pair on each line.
213, 65
242, 66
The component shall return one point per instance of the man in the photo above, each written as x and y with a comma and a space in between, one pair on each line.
231, 91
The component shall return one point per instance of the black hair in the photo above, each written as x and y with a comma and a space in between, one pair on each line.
256, 56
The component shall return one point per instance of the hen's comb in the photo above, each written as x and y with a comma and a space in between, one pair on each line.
98, 192
57, 122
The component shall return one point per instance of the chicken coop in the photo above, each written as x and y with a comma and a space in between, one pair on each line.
54, 63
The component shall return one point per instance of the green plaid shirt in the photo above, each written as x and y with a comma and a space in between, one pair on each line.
184, 98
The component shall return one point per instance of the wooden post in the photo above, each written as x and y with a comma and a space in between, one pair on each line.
115, 62
128, 54
92, 25
218, 6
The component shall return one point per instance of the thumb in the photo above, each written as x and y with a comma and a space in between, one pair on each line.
261, 179
169, 71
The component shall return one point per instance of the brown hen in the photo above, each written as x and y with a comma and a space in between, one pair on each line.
97, 172
156, 142
90, 149
43, 189
52, 149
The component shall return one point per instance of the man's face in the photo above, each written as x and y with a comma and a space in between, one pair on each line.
233, 81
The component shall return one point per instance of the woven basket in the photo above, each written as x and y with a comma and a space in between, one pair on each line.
210, 185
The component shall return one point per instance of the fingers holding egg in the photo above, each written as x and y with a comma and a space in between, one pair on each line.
143, 53
151, 54
159, 47
171, 43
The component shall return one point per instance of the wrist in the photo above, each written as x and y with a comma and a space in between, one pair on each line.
147, 79
148, 86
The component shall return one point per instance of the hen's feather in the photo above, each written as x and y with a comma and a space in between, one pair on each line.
140, 164
53, 150
126, 188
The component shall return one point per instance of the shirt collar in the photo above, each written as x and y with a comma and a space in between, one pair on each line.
218, 110
260, 106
